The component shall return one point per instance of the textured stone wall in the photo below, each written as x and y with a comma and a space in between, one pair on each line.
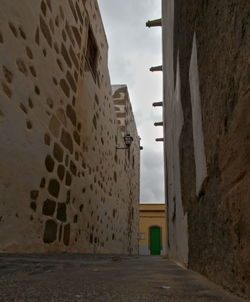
206, 65
63, 187
127, 125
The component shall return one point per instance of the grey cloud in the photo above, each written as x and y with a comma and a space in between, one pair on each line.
152, 177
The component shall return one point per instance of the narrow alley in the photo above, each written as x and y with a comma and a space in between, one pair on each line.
96, 278
124, 151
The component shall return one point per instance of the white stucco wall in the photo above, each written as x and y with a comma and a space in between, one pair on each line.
199, 150
173, 115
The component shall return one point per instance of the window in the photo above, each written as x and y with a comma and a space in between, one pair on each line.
92, 52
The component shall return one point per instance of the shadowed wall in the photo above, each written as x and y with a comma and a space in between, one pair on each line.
206, 108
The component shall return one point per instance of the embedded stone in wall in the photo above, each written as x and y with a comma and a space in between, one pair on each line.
49, 163
47, 139
7, 74
54, 126
65, 87
77, 138
77, 35
61, 116
6, 90
68, 179
49, 207
73, 57
21, 66
71, 81
50, 231
71, 115
61, 172
34, 194
61, 212
73, 9
33, 206
79, 13
58, 152
43, 8
66, 234
66, 140
65, 55
46, 31
13, 29
54, 188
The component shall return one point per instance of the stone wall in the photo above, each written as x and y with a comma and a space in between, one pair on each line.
64, 187
207, 129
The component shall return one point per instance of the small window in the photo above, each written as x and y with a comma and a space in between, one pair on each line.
92, 52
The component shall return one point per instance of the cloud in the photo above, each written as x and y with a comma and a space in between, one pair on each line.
133, 49
152, 187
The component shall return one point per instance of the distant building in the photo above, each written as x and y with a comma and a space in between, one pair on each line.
64, 185
152, 230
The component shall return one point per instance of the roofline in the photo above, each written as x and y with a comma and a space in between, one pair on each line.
150, 211
152, 203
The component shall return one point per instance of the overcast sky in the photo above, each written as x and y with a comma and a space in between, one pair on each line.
133, 49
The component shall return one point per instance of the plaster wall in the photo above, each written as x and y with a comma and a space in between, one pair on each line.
206, 68
64, 187
173, 117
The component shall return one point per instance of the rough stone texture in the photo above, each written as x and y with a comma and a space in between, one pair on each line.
109, 278
218, 225
49, 143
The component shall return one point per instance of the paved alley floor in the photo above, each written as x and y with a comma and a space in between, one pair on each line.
76, 278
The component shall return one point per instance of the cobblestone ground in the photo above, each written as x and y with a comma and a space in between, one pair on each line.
77, 278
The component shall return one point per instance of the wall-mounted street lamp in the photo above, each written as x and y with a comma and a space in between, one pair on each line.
128, 141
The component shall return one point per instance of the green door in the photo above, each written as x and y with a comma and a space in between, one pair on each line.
155, 240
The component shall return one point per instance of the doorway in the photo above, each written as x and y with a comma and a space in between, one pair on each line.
155, 240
